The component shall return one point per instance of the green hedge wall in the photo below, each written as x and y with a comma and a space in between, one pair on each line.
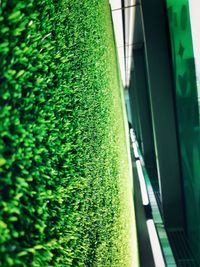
58, 163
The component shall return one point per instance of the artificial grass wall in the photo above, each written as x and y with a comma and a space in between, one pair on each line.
59, 156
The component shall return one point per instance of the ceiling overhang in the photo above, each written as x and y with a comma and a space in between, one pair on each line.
127, 23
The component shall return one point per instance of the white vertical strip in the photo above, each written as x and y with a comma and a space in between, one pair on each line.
155, 244
134, 144
133, 138
135, 150
115, 4
145, 198
130, 28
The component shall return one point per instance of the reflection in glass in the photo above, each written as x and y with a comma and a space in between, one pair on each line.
187, 107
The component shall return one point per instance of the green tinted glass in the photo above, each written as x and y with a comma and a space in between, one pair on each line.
187, 113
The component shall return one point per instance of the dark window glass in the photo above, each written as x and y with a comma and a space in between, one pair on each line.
186, 62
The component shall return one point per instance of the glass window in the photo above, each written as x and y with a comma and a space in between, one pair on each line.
185, 46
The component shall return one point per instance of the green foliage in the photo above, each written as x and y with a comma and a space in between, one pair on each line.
59, 158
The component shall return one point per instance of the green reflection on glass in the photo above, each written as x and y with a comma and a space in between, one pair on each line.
187, 114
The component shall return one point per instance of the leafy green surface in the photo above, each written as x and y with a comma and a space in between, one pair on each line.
62, 151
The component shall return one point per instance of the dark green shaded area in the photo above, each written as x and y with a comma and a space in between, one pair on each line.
187, 114
59, 200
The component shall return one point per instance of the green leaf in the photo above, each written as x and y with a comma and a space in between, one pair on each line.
15, 16
2, 162
3, 225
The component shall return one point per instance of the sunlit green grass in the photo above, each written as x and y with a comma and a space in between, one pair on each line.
63, 157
